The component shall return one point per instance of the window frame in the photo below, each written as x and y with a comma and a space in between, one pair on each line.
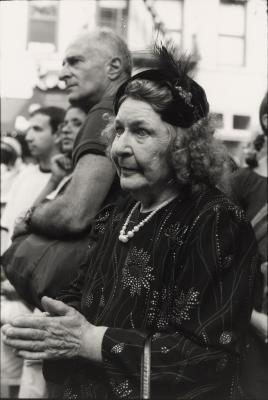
171, 31
122, 13
243, 37
55, 19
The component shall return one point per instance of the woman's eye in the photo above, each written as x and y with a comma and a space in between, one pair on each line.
77, 124
119, 131
141, 133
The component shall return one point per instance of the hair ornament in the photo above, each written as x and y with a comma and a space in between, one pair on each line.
187, 96
189, 99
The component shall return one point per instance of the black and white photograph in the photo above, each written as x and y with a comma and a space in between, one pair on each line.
134, 199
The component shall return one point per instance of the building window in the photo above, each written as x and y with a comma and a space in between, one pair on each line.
170, 13
241, 121
232, 36
42, 25
113, 14
219, 119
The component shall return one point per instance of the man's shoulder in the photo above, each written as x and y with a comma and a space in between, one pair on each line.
98, 115
89, 138
105, 104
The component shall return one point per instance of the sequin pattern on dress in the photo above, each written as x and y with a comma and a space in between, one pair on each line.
225, 338
122, 390
137, 273
184, 304
227, 261
117, 348
153, 307
89, 299
176, 234
100, 222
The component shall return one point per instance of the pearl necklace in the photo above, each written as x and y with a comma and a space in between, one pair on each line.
123, 236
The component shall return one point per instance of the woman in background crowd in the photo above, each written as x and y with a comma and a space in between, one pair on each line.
62, 167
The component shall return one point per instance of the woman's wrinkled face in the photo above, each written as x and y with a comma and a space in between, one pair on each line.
140, 148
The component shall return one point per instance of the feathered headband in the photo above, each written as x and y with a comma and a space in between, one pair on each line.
189, 99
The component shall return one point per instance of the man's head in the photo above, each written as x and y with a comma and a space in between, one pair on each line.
257, 149
94, 65
42, 136
10, 150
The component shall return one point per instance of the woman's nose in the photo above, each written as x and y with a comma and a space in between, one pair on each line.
65, 128
122, 144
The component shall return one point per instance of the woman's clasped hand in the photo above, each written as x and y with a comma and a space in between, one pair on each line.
60, 332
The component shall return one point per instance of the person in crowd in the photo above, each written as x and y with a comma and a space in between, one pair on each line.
11, 165
250, 183
62, 168
166, 296
94, 66
10, 151
249, 188
43, 139
32, 383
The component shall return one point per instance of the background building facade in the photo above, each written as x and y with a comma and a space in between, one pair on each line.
228, 39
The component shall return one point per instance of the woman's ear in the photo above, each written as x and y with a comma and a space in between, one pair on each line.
114, 68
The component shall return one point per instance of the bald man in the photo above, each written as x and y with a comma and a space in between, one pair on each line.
94, 66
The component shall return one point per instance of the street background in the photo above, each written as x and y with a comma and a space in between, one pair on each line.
227, 38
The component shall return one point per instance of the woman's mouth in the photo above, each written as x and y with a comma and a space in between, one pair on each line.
128, 171
67, 141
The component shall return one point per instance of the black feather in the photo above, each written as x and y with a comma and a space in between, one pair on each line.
169, 69
176, 67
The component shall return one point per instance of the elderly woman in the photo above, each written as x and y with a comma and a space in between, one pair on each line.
163, 305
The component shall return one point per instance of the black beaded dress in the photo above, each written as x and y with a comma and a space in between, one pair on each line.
186, 279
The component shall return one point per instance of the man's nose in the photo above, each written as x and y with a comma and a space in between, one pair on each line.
29, 136
64, 73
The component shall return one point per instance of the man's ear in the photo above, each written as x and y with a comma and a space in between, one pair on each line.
114, 68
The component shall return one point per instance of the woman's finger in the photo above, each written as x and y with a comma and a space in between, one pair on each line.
31, 321
31, 345
55, 307
33, 356
25, 333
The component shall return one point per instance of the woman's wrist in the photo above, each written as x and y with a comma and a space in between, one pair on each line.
92, 338
259, 321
